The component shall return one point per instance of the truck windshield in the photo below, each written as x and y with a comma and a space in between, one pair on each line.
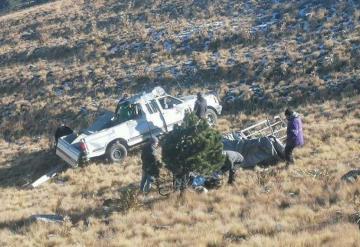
169, 102
126, 111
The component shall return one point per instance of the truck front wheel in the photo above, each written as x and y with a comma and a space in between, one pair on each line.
211, 117
116, 152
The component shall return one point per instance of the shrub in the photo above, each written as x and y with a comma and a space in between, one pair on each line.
192, 147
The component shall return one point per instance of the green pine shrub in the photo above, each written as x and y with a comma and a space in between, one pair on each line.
192, 147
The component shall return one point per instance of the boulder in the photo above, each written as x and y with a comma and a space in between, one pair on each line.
351, 176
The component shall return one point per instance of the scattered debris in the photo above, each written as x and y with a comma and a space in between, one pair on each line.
162, 227
48, 218
52, 173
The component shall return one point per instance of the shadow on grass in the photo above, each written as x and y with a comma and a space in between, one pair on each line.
16, 226
129, 199
25, 168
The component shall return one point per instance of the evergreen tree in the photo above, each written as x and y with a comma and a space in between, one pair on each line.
192, 147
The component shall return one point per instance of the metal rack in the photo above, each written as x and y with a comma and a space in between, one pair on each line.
269, 127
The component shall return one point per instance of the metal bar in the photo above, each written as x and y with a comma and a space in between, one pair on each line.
267, 127
277, 131
253, 126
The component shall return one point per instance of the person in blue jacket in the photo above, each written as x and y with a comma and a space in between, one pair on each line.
294, 134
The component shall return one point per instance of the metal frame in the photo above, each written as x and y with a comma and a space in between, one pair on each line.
269, 127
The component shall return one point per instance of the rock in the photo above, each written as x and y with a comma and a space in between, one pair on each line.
351, 176
50, 77
201, 189
30, 35
48, 218
66, 86
59, 91
168, 46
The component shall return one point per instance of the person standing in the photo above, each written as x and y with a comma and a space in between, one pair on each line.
232, 159
200, 107
151, 164
294, 134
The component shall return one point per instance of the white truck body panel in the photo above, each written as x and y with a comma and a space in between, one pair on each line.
159, 113
68, 152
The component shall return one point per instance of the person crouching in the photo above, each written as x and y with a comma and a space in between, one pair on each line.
232, 159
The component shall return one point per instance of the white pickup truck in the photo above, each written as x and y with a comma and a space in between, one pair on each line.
133, 122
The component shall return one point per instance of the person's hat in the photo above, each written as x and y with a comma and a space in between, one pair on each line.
288, 112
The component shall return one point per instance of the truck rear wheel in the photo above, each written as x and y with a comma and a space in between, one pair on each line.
211, 117
116, 152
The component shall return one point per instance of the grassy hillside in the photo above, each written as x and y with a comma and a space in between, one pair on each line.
61, 57
87, 53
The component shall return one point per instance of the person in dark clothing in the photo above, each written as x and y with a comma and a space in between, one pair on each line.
124, 98
151, 164
200, 106
294, 135
232, 159
63, 130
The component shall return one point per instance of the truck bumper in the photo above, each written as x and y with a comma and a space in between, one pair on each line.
218, 109
67, 158
68, 153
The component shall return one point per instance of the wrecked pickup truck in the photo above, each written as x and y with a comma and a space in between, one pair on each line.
133, 122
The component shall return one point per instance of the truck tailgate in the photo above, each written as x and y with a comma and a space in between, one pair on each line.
68, 152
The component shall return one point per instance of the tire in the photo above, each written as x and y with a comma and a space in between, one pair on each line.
211, 117
116, 153
165, 184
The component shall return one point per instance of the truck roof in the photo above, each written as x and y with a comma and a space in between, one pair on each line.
155, 93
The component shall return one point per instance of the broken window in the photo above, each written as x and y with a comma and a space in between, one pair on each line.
127, 111
169, 102
152, 107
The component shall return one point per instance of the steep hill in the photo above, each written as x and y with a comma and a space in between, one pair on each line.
278, 52
69, 57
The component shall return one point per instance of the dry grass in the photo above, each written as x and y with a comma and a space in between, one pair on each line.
306, 205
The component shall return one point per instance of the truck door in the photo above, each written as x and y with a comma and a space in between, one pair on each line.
172, 110
137, 124
154, 118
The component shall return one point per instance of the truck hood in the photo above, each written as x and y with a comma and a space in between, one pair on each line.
188, 98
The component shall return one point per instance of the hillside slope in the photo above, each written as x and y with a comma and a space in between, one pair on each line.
69, 57
93, 50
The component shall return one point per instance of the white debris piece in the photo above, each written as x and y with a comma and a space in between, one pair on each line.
48, 218
47, 176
